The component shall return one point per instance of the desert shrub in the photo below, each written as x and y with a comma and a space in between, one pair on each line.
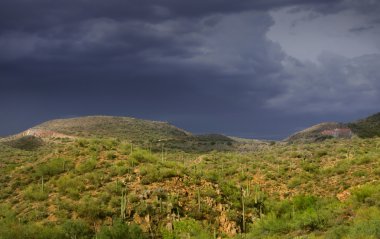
364, 159
133, 198
94, 178
367, 194
34, 192
208, 192
104, 197
310, 167
109, 144
269, 225
296, 154
91, 208
337, 232
119, 170
111, 155
295, 181
125, 148
6, 212
86, 166
28, 231
65, 206
187, 228
366, 224
6, 192
302, 202
231, 193
143, 156
310, 219
120, 230
376, 171
53, 167
321, 153
83, 143
71, 186
115, 188
341, 167
77, 229
360, 173
303, 212
152, 173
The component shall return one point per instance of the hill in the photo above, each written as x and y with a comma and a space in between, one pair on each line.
114, 127
314, 133
368, 127
154, 135
364, 128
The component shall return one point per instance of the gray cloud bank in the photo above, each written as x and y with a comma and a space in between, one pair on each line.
203, 65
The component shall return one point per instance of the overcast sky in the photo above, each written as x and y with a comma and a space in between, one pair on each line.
251, 68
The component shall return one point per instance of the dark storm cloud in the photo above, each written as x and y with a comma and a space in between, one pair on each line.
39, 14
361, 29
204, 65
137, 54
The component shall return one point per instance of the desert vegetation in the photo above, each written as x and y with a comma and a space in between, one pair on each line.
211, 186
109, 188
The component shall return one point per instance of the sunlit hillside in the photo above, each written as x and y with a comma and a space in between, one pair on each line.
109, 187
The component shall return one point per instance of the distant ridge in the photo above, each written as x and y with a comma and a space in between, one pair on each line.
364, 128
146, 133
368, 127
153, 133
314, 133
113, 127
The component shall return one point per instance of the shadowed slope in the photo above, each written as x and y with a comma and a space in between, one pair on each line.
368, 127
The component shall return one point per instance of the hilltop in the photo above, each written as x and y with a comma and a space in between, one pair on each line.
146, 133
364, 128
368, 127
138, 130
314, 133
153, 134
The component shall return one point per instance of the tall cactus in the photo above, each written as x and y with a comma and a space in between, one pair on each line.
199, 200
42, 184
258, 199
123, 204
243, 208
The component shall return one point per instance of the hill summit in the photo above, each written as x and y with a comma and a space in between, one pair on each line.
138, 130
364, 128
368, 127
146, 133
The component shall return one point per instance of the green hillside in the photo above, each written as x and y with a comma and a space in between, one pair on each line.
150, 134
92, 187
313, 133
364, 128
102, 184
368, 127
115, 127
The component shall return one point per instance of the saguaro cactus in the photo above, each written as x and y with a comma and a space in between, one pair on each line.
123, 204
199, 200
42, 184
243, 207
